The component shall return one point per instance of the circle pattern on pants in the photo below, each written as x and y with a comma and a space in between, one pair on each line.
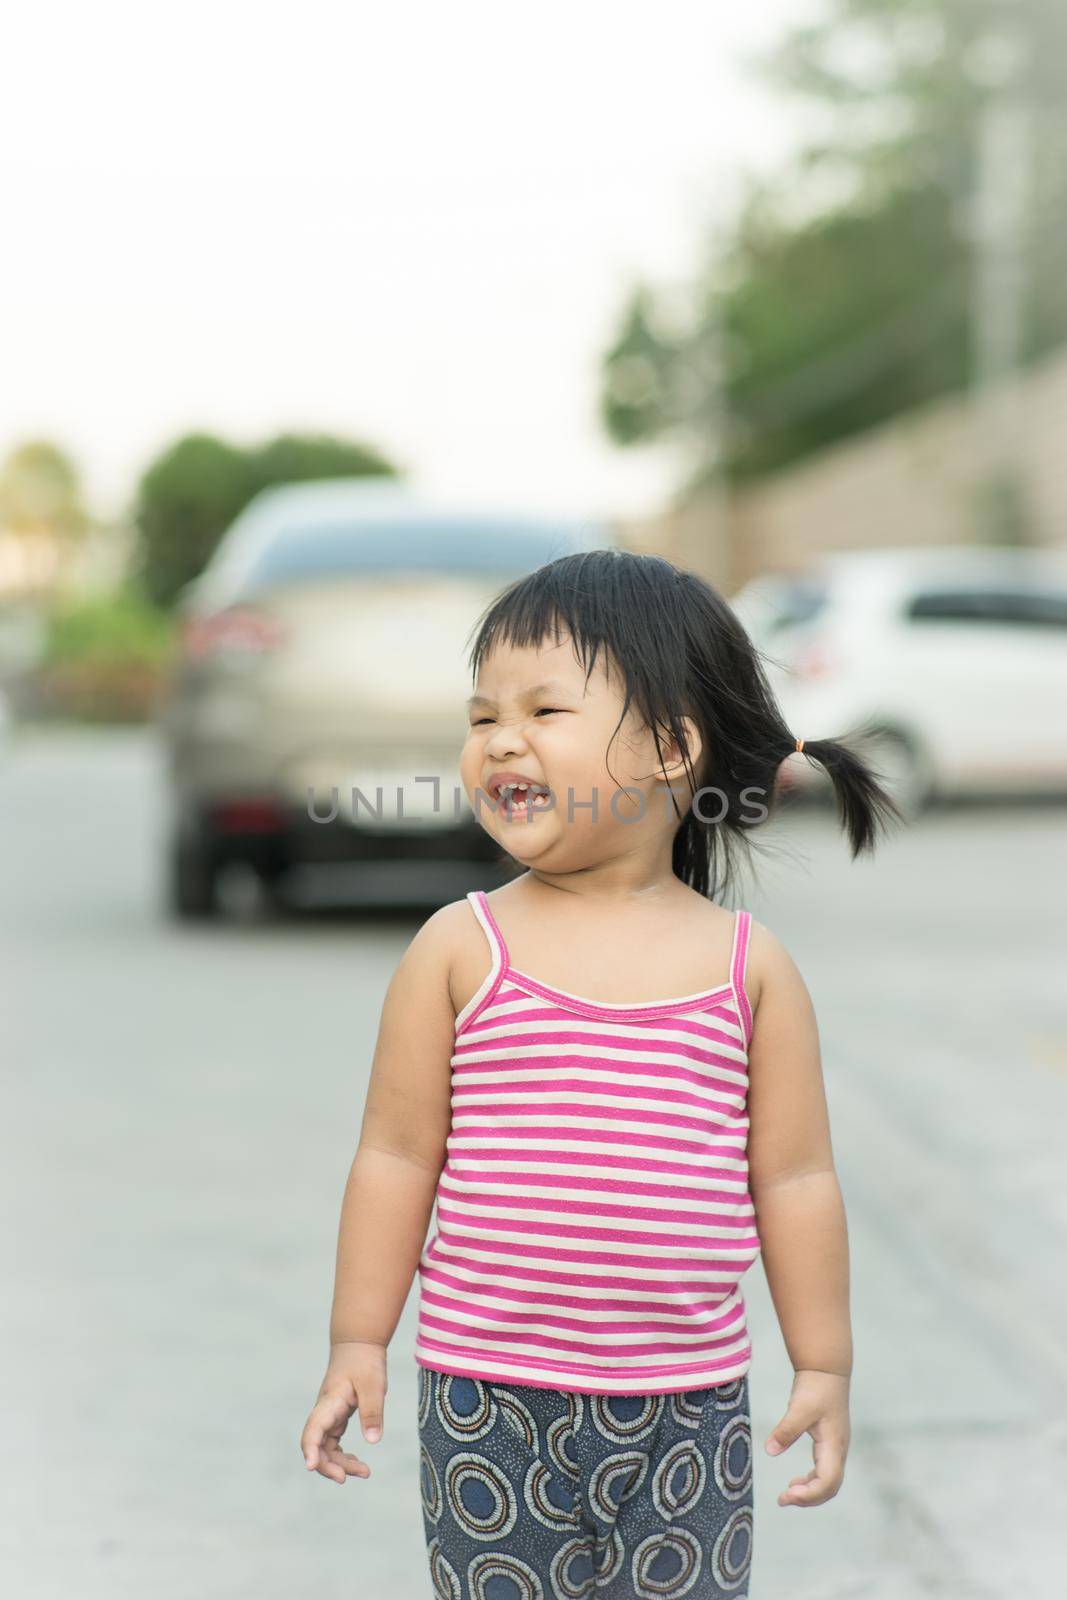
545, 1494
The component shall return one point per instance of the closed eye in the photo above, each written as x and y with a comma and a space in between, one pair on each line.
542, 711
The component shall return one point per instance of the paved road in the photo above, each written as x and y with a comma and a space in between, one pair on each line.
182, 1109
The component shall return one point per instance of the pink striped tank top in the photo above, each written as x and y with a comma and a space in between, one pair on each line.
593, 1214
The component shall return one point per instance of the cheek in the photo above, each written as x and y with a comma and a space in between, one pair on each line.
470, 762
607, 771
572, 758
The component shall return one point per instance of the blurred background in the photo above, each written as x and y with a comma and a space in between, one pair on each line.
318, 327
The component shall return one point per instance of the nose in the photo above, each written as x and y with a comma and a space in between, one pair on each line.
506, 741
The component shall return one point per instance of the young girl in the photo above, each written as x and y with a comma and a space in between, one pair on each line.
611, 1085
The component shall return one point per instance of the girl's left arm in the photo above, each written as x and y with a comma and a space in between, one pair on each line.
800, 1217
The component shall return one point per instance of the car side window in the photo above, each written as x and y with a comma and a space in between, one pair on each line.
1015, 607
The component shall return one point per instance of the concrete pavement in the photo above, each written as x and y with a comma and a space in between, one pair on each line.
182, 1108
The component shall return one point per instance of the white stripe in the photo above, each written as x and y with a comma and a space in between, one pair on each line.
682, 1130
466, 1196
696, 1184
613, 1247
533, 1293
548, 1212
474, 1143
669, 1072
711, 1106
483, 1047
551, 1274
613, 1337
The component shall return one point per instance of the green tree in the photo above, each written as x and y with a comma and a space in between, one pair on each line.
185, 500
40, 492
822, 316
191, 493
296, 458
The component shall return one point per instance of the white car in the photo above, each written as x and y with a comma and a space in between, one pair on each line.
954, 657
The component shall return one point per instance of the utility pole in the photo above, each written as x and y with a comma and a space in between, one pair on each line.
1001, 202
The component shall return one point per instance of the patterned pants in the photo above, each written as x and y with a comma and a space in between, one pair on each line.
543, 1494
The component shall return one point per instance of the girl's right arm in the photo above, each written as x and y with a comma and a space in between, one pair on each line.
389, 1195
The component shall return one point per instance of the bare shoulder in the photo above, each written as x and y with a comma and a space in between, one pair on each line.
449, 944
445, 926
407, 1109
770, 969
444, 932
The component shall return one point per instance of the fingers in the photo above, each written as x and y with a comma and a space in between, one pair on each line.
330, 1461
823, 1481
329, 1411
320, 1442
812, 1490
338, 1464
795, 1422
371, 1409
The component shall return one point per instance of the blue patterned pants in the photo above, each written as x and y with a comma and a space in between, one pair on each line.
543, 1494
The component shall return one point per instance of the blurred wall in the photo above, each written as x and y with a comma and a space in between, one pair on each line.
698, 536
917, 480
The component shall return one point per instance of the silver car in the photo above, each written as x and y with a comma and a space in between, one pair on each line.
315, 714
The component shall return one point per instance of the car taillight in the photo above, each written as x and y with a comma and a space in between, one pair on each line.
817, 660
237, 631
248, 814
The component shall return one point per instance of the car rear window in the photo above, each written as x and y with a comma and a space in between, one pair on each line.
1035, 608
794, 602
343, 548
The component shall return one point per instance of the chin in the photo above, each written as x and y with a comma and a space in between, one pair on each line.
521, 846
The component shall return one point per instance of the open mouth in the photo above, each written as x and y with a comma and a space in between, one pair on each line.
521, 802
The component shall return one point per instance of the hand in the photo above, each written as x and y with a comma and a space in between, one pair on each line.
355, 1380
818, 1405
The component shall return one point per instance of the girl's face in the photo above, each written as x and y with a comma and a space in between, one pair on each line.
533, 716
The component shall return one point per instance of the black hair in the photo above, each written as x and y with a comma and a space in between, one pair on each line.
681, 650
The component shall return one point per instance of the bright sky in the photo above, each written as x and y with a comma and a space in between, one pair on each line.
408, 223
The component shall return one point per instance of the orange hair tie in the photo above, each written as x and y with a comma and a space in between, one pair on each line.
800, 744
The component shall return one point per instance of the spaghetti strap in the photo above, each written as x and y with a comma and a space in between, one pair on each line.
499, 958
738, 964
480, 903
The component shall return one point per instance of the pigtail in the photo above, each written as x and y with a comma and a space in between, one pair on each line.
864, 807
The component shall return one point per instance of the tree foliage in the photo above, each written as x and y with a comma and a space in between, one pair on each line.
40, 492
823, 316
190, 494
